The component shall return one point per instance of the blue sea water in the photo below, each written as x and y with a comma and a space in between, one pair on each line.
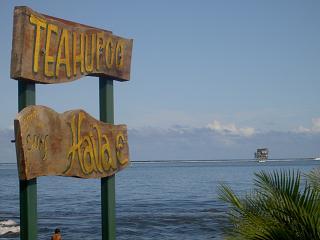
153, 200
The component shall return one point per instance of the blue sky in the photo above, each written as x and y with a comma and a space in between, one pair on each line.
234, 68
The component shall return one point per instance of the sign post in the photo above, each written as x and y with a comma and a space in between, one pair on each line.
108, 201
49, 50
27, 188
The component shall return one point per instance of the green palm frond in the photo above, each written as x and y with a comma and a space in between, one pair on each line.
226, 194
314, 178
281, 206
284, 182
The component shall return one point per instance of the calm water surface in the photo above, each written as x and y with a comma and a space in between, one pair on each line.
154, 200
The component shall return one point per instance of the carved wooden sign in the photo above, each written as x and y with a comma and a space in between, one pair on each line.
46, 49
69, 144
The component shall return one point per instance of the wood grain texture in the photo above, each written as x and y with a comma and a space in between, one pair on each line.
46, 49
69, 144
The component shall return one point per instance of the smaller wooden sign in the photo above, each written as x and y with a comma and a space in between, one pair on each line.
68, 144
46, 49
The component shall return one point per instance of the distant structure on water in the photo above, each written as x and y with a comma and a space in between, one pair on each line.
261, 154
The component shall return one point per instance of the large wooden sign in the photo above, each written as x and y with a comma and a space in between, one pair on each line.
46, 49
68, 144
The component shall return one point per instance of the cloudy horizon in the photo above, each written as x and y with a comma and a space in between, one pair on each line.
214, 141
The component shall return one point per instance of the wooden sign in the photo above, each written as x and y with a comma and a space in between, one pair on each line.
46, 49
68, 144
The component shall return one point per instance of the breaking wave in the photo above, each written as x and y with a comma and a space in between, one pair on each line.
9, 228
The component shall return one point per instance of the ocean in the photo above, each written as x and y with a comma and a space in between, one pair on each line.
169, 200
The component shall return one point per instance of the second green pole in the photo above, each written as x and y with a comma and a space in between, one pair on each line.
108, 199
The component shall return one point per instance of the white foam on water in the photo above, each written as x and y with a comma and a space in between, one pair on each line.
9, 226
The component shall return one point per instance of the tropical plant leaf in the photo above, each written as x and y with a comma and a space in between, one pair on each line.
282, 205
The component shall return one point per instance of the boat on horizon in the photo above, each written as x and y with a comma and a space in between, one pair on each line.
261, 155
316, 158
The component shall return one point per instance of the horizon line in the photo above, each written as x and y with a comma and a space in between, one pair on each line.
211, 160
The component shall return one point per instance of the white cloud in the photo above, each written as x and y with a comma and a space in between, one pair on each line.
231, 129
315, 128
301, 129
204, 143
316, 125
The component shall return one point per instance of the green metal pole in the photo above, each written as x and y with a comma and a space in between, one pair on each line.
108, 199
28, 188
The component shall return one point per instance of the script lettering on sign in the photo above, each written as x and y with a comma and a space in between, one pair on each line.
68, 144
46, 49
